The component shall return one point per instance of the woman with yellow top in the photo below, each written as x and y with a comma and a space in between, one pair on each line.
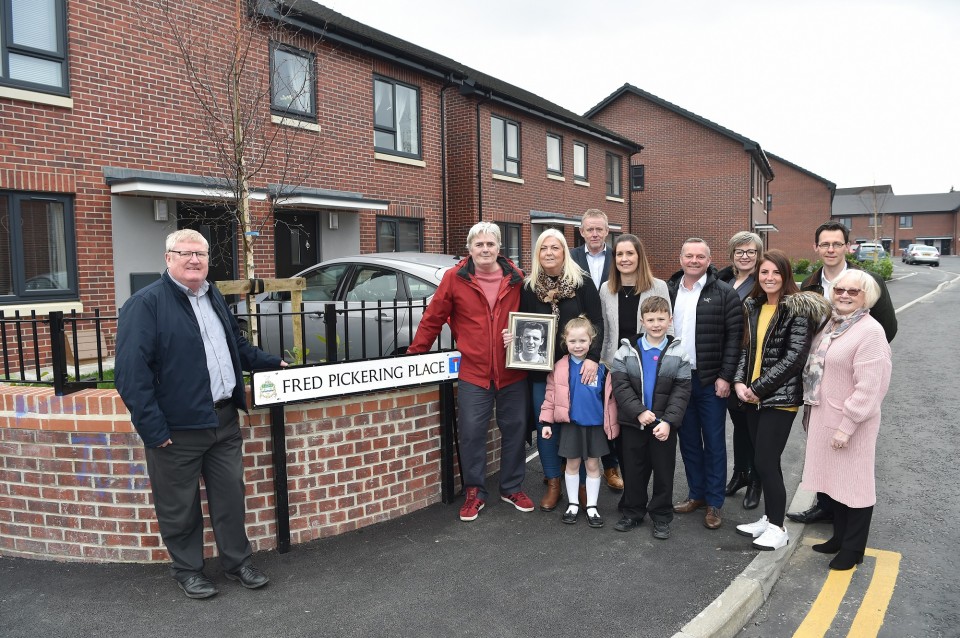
780, 322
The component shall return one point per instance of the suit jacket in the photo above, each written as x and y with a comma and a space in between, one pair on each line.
579, 255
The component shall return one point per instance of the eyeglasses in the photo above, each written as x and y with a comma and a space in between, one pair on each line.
750, 252
187, 254
827, 245
852, 292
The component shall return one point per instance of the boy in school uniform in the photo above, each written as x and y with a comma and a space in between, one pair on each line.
651, 385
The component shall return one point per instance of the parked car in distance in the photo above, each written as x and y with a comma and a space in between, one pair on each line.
385, 294
921, 254
868, 251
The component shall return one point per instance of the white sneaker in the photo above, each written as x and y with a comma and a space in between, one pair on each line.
773, 538
753, 530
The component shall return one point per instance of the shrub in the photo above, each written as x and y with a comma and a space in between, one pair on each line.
882, 267
801, 267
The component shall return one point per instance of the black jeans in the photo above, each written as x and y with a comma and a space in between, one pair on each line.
769, 430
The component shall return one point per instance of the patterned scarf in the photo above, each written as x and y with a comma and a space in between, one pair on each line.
553, 290
813, 372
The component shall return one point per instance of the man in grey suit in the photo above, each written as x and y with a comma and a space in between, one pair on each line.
594, 256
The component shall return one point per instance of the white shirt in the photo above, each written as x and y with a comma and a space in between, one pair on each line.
685, 317
219, 363
596, 264
827, 284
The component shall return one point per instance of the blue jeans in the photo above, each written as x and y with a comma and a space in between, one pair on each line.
703, 445
547, 448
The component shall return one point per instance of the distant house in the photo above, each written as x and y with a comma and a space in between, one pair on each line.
799, 202
875, 212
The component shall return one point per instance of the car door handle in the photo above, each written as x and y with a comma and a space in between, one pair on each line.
315, 315
385, 317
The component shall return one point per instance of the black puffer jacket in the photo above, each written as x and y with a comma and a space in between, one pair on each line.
797, 319
719, 327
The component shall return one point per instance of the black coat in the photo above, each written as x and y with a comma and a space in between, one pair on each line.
785, 347
719, 327
882, 311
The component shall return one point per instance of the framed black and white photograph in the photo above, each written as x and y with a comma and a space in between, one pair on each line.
534, 336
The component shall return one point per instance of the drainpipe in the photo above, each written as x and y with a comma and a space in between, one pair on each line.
443, 162
467, 88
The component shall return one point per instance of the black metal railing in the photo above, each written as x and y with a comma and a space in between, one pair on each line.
65, 351
71, 352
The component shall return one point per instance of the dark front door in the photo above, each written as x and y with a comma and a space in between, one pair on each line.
218, 225
297, 242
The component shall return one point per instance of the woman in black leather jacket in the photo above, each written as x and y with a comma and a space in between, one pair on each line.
780, 322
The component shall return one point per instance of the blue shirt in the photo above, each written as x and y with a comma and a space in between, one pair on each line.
586, 401
649, 359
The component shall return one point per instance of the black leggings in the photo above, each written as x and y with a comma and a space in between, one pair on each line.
769, 431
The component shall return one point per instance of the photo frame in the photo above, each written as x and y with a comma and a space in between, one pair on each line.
534, 340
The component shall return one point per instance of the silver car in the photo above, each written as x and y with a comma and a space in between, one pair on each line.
379, 299
920, 254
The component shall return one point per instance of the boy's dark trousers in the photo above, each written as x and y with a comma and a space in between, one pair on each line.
642, 455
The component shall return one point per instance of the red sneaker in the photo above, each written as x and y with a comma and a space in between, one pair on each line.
519, 500
472, 506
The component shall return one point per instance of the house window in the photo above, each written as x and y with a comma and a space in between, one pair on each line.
906, 221
292, 82
396, 234
554, 153
505, 146
33, 44
511, 242
396, 118
874, 221
38, 259
846, 221
580, 160
613, 175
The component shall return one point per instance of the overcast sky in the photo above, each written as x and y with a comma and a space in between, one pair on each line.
858, 92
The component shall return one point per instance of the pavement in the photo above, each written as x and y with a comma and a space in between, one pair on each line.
428, 574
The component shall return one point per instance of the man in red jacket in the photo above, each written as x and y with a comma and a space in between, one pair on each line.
476, 298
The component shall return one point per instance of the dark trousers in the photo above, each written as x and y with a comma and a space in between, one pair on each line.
743, 452
644, 455
769, 431
703, 443
475, 409
851, 526
825, 503
216, 454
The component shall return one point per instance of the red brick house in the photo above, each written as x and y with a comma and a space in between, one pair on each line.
104, 151
699, 178
799, 202
900, 220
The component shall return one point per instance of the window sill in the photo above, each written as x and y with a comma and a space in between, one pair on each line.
611, 198
36, 96
559, 178
295, 123
398, 159
580, 182
42, 308
507, 178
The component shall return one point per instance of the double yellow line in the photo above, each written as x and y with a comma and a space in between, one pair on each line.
872, 610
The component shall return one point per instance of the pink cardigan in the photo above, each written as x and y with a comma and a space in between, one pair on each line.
556, 403
856, 375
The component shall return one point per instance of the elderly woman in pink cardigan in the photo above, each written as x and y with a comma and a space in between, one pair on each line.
845, 380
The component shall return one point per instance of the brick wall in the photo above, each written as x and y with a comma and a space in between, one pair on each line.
800, 204
74, 486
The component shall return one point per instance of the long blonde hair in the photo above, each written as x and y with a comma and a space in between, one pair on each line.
571, 271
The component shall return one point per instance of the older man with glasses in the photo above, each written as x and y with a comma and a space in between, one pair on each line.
178, 371
832, 244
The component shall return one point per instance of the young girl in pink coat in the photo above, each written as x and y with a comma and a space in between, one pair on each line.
585, 414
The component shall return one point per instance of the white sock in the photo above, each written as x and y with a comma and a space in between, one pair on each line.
572, 482
593, 490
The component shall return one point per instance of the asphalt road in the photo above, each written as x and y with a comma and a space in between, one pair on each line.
916, 493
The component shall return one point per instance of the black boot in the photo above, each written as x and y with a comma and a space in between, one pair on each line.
846, 559
752, 498
738, 480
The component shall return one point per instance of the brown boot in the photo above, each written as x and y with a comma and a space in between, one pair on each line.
552, 496
614, 481
582, 496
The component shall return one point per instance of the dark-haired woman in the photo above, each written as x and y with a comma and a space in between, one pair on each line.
780, 322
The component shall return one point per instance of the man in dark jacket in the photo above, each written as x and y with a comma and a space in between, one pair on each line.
476, 298
708, 319
178, 371
831, 241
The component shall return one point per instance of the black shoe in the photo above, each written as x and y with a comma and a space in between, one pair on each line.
832, 546
249, 576
198, 586
570, 517
846, 559
752, 498
738, 480
594, 520
812, 515
661, 530
626, 524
